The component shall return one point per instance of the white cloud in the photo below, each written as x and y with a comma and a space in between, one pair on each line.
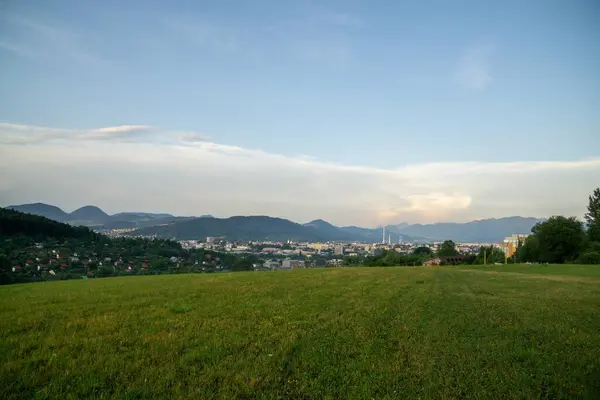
26, 134
192, 137
474, 69
189, 177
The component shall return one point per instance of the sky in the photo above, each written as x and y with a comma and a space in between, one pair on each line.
357, 112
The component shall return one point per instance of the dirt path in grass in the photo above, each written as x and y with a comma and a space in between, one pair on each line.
561, 278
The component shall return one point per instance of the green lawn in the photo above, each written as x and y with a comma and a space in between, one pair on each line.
324, 333
592, 271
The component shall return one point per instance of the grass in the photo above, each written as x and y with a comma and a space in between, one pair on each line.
591, 271
488, 332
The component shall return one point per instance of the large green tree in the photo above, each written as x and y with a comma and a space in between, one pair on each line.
448, 249
559, 239
592, 217
591, 255
529, 251
422, 251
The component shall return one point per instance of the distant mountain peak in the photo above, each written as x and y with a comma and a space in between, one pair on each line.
42, 209
319, 222
90, 208
90, 213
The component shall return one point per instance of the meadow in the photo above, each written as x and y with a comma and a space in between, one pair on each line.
523, 331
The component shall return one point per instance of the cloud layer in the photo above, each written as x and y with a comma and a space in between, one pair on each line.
141, 168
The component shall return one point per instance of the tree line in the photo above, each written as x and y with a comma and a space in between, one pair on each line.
565, 239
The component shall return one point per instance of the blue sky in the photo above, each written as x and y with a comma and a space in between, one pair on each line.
351, 84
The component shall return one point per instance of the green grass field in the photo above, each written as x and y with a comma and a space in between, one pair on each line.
521, 332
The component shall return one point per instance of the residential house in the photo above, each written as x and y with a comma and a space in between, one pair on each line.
260, 267
432, 261
288, 263
449, 260
271, 264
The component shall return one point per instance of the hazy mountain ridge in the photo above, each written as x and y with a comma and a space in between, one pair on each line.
236, 228
42, 210
90, 215
94, 216
376, 235
270, 228
485, 230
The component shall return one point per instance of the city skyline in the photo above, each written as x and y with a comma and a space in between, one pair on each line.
358, 115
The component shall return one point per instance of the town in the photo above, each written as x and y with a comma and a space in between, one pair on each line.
41, 249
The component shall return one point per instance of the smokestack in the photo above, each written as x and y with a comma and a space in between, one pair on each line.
383, 237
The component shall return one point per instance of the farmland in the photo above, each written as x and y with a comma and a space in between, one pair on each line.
522, 331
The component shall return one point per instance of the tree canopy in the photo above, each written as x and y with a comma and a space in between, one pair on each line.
557, 240
592, 217
448, 249
422, 250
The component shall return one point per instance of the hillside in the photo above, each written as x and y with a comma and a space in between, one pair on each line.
332, 232
93, 216
236, 228
41, 209
90, 215
375, 235
484, 231
13, 223
259, 228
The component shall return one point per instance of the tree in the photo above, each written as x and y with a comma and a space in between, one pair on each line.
559, 239
422, 251
5, 270
592, 217
529, 251
448, 249
492, 255
591, 255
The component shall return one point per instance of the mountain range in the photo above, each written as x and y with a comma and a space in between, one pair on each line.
278, 229
94, 217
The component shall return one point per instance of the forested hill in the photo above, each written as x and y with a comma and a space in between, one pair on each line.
236, 228
15, 223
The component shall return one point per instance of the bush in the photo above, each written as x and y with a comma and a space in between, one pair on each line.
590, 257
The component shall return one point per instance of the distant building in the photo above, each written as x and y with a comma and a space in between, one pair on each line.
259, 267
271, 264
338, 250
432, 261
210, 239
511, 243
288, 263
450, 260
